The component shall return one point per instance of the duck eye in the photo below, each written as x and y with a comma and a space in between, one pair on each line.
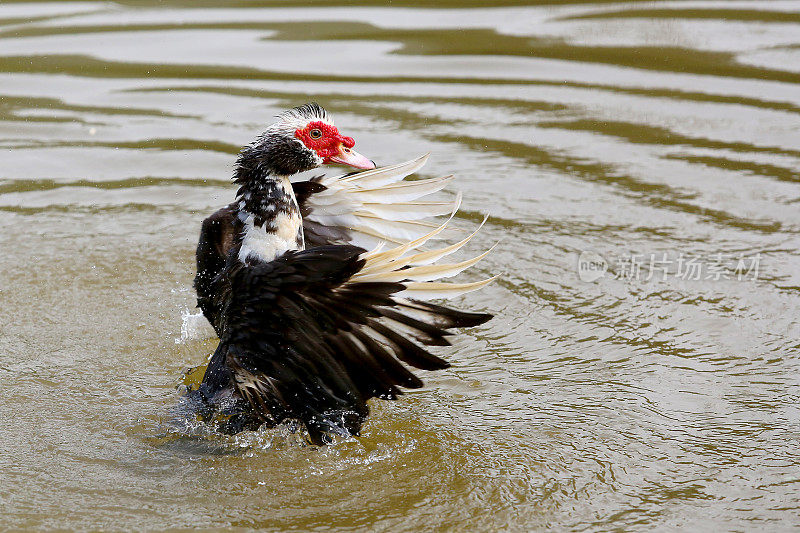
315, 134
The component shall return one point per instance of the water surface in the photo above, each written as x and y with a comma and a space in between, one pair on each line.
657, 134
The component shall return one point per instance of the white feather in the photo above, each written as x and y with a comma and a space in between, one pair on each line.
428, 257
406, 230
431, 290
385, 175
405, 191
407, 210
389, 255
421, 273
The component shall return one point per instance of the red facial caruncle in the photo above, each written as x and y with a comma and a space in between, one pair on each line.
323, 139
331, 146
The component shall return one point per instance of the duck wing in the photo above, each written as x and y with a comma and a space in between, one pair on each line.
314, 334
368, 207
361, 209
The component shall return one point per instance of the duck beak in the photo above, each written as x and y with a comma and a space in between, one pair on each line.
347, 156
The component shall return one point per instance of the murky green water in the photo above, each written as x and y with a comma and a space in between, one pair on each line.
661, 140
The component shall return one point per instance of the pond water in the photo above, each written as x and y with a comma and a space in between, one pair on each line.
652, 383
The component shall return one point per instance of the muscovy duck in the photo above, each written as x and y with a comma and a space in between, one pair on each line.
311, 323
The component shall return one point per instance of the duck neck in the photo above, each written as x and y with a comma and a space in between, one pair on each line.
271, 218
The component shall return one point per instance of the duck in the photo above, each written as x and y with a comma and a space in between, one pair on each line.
319, 290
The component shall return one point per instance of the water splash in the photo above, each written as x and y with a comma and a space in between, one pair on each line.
194, 326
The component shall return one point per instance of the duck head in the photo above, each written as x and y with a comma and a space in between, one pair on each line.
303, 138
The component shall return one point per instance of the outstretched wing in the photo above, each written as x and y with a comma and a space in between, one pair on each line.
314, 334
362, 209
365, 208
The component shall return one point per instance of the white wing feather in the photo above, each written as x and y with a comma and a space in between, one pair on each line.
379, 207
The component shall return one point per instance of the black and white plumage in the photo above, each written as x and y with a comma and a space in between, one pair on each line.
311, 324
